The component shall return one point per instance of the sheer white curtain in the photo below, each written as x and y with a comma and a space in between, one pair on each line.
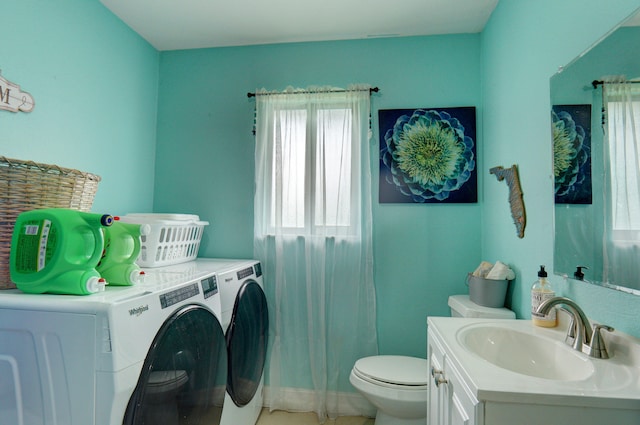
622, 204
313, 235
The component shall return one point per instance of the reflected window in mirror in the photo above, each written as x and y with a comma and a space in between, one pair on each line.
621, 247
622, 102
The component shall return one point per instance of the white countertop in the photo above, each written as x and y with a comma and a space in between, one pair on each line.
614, 383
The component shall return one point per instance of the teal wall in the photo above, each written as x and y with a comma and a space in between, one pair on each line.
522, 47
100, 89
205, 157
94, 82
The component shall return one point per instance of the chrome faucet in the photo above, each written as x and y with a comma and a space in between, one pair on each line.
580, 331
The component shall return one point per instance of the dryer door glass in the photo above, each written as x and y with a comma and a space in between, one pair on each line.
183, 377
247, 342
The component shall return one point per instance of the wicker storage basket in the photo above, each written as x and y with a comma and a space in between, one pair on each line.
27, 185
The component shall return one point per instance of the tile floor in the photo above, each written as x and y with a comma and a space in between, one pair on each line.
286, 418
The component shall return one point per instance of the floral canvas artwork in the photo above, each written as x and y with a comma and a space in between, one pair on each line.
428, 155
571, 125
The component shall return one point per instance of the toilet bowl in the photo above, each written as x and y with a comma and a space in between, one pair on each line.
160, 402
395, 385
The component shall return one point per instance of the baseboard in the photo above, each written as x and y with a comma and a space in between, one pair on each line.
303, 400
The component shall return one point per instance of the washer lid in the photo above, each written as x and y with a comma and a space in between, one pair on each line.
399, 370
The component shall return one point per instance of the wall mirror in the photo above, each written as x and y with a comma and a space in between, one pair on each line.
587, 164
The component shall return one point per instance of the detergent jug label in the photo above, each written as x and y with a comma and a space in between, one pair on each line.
35, 245
31, 229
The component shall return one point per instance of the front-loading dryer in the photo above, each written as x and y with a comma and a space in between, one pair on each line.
246, 322
128, 355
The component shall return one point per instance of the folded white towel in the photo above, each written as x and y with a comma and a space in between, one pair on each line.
501, 271
482, 270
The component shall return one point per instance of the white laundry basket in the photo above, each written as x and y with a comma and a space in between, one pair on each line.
174, 238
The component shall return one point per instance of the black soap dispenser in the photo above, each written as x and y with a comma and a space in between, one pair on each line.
578, 275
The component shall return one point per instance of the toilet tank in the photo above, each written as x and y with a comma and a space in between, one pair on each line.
462, 306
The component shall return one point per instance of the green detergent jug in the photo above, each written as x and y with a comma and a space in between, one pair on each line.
121, 250
56, 250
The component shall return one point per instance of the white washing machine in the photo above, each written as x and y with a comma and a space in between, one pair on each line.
246, 323
127, 355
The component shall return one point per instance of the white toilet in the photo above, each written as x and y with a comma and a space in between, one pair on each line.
397, 385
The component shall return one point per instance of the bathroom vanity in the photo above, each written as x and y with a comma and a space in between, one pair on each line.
495, 372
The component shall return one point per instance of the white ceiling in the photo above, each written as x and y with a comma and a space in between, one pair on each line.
189, 24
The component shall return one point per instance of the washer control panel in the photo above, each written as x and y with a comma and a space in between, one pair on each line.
209, 286
173, 297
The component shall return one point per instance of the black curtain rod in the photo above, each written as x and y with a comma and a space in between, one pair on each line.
596, 83
371, 90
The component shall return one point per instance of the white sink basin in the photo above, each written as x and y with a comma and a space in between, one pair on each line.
526, 353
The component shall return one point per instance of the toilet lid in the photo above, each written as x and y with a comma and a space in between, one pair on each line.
161, 378
396, 370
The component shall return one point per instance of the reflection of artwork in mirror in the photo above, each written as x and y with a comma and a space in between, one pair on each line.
572, 153
428, 155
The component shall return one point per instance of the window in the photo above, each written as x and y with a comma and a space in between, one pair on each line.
313, 163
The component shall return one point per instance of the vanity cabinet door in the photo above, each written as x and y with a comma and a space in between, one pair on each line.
438, 392
449, 402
